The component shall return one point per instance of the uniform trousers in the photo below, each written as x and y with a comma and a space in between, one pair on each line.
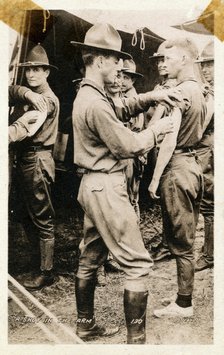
181, 193
206, 158
36, 171
110, 223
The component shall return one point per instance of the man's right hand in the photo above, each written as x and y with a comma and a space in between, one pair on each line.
168, 96
37, 101
163, 126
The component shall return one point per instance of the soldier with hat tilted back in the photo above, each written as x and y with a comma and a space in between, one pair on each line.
35, 164
102, 147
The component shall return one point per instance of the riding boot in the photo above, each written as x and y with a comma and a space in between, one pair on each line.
135, 304
45, 275
86, 326
209, 240
206, 260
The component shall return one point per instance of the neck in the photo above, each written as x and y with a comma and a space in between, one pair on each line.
40, 88
95, 76
187, 72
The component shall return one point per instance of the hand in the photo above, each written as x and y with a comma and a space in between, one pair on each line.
153, 188
163, 126
36, 100
168, 96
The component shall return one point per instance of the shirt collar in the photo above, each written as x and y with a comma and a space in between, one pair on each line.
187, 78
94, 85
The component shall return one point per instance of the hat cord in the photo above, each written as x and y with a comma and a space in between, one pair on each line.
47, 15
135, 39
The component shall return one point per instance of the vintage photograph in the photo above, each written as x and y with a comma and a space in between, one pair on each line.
111, 175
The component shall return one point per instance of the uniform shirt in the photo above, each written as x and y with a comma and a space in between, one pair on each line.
136, 123
101, 142
193, 109
47, 133
208, 135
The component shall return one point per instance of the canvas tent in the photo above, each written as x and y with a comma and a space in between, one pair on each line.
54, 29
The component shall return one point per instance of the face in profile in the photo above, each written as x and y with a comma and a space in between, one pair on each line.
173, 61
115, 87
111, 65
161, 67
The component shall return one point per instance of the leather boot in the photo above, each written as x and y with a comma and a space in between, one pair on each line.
86, 326
206, 260
45, 276
135, 304
209, 239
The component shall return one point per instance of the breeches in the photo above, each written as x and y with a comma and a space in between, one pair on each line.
36, 174
206, 158
110, 223
181, 193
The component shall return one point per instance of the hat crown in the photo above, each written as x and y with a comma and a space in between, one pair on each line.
103, 35
208, 51
129, 65
38, 55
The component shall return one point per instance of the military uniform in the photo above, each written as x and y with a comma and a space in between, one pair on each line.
36, 172
181, 185
103, 146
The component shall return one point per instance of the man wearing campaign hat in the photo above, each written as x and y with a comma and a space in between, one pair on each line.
205, 151
35, 164
102, 147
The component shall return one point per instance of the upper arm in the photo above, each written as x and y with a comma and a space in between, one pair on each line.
170, 140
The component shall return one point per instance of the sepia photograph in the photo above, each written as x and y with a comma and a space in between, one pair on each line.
112, 212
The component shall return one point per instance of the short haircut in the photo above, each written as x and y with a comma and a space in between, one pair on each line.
186, 44
89, 56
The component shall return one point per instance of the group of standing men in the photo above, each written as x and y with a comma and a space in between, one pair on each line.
108, 144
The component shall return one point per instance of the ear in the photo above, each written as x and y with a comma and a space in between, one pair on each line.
184, 59
47, 71
99, 61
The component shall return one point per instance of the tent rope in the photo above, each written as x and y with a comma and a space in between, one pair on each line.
47, 15
135, 39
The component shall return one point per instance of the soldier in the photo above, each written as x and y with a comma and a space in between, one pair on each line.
205, 151
179, 172
135, 168
35, 166
102, 146
161, 251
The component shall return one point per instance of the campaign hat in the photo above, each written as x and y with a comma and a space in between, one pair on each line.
129, 67
37, 57
207, 54
102, 37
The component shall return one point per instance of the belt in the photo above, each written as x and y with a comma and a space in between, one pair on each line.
82, 171
38, 148
184, 150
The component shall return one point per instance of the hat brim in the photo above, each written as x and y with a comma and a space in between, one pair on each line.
132, 73
120, 54
156, 56
36, 64
202, 60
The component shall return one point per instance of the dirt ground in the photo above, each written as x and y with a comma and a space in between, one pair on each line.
60, 298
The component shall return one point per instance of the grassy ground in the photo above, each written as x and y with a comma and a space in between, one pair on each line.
60, 298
